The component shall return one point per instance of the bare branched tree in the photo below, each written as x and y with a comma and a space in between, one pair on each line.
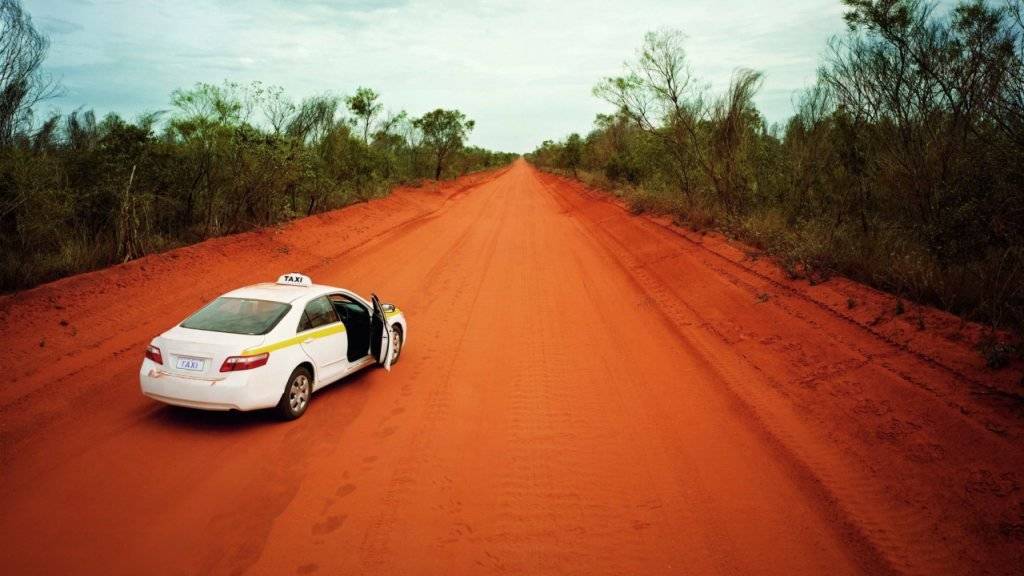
662, 97
278, 109
22, 83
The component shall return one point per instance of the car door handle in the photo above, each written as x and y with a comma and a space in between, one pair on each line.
307, 341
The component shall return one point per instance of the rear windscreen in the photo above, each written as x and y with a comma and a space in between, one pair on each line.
238, 316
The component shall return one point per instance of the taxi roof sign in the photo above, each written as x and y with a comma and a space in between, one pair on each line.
295, 279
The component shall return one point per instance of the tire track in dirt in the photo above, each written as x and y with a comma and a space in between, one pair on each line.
719, 254
584, 392
83, 355
733, 374
451, 280
914, 538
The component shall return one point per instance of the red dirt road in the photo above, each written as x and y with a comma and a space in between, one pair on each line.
584, 392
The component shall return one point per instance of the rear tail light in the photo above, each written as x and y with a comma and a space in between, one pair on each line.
236, 363
153, 353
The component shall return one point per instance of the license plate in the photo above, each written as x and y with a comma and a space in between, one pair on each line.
190, 364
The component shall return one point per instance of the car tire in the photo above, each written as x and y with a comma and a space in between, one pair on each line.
298, 391
396, 343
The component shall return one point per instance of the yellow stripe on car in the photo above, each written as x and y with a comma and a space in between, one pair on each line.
297, 339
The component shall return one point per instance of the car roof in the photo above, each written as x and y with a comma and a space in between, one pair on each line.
280, 292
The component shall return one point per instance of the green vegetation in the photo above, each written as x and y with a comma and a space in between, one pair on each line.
79, 192
903, 166
443, 134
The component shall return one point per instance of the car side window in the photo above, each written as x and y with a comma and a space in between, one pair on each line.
347, 307
318, 312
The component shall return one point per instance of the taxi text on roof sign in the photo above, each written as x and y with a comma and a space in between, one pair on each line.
293, 279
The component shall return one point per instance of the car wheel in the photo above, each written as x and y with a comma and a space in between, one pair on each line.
297, 393
396, 343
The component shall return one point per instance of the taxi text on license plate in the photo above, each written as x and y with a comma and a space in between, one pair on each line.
190, 364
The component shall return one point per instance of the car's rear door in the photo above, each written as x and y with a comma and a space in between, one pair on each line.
324, 339
380, 335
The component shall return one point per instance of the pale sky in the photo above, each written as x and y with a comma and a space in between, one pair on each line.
522, 69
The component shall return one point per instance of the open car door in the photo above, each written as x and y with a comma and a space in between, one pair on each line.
380, 335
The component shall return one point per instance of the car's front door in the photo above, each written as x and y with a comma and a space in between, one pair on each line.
356, 317
324, 339
380, 335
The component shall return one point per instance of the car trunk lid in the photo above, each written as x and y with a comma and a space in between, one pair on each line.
200, 353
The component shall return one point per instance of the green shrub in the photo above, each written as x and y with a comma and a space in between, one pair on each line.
916, 191
85, 192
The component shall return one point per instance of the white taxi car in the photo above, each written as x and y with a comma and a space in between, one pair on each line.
271, 345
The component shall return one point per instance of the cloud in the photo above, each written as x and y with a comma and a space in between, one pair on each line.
524, 70
51, 25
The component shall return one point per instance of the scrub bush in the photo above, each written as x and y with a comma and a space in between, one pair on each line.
902, 166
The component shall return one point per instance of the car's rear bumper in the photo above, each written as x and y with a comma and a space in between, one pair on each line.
233, 392
191, 403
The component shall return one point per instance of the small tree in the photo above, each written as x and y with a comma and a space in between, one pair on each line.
572, 152
444, 132
278, 108
662, 97
366, 106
